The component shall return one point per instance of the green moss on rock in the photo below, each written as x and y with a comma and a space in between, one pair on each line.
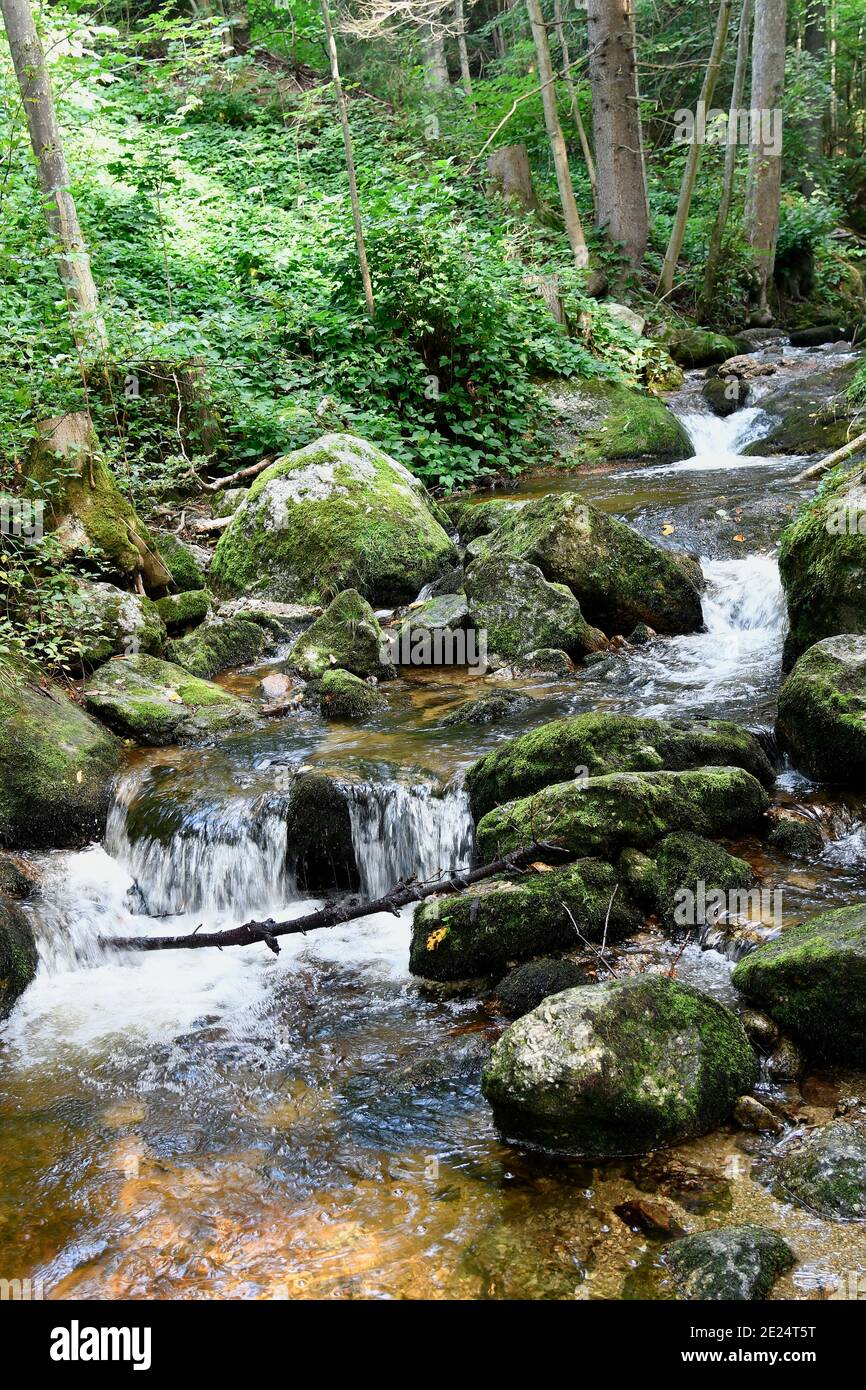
826, 1172
346, 635
56, 766
812, 981
336, 515
735, 1263
157, 702
340, 695
821, 717
187, 573
683, 862
217, 646
816, 415
520, 611
528, 985
510, 919
319, 844
697, 347
618, 1068
603, 815
608, 743
601, 420
115, 623
822, 562
184, 610
490, 708
18, 956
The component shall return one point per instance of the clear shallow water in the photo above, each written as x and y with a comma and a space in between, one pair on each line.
235, 1124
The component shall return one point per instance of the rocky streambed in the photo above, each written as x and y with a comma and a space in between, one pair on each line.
316, 1124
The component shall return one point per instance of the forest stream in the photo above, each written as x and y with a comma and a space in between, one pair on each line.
234, 1124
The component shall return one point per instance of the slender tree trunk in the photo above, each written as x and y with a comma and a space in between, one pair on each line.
573, 227
815, 43
765, 163
73, 261
622, 196
435, 63
721, 222
350, 158
572, 98
693, 158
465, 75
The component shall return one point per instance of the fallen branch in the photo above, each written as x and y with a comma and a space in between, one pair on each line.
205, 524
838, 456
334, 915
251, 472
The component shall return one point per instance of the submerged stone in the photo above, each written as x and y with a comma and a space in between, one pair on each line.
735, 1263
826, 1171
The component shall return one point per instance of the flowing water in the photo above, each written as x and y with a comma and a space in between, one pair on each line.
211, 1124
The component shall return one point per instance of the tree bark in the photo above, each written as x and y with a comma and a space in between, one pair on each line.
435, 63
693, 159
350, 159
573, 227
73, 262
815, 43
622, 196
573, 102
465, 75
511, 176
765, 166
721, 221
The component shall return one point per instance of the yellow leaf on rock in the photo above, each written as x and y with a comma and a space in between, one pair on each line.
668, 528
739, 538
435, 937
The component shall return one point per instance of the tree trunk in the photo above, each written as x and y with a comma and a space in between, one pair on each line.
435, 63
721, 222
815, 43
573, 228
622, 197
350, 159
465, 75
765, 164
511, 176
693, 159
73, 261
572, 98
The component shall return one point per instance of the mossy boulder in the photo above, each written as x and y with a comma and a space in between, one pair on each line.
217, 646
184, 610
603, 815
688, 864
735, 1263
187, 564
156, 702
821, 718
320, 848
619, 578
798, 839
822, 562
725, 394
697, 347
601, 420
512, 918
444, 613
18, 956
826, 1172
815, 415
346, 635
608, 743
811, 980
619, 1068
490, 708
88, 513
340, 695
338, 514
527, 985
56, 766
520, 611
116, 623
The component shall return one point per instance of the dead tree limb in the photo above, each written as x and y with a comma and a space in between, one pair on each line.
334, 915
825, 464
232, 478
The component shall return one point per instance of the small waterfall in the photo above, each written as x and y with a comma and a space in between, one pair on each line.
712, 435
229, 856
402, 831
744, 596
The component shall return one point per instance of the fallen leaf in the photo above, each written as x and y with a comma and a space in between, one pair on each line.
542, 868
739, 538
668, 528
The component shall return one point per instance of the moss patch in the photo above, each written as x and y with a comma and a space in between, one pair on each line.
822, 561
340, 695
184, 610
156, 702
601, 420
735, 1263
217, 646
821, 718
346, 635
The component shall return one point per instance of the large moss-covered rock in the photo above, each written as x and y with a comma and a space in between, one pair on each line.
157, 702
608, 743
346, 635
618, 578
56, 766
218, 645
18, 957
618, 1068
822, 711
340, 695
599, 420
88, 513
187, 564
507, 918
697, 347
736, 1263
822, 562
335, 515
529, 984
687, 863
826, 1171
602, 815
184, 610
319, 843
815, 415
812, 980
116, 623
520, 611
